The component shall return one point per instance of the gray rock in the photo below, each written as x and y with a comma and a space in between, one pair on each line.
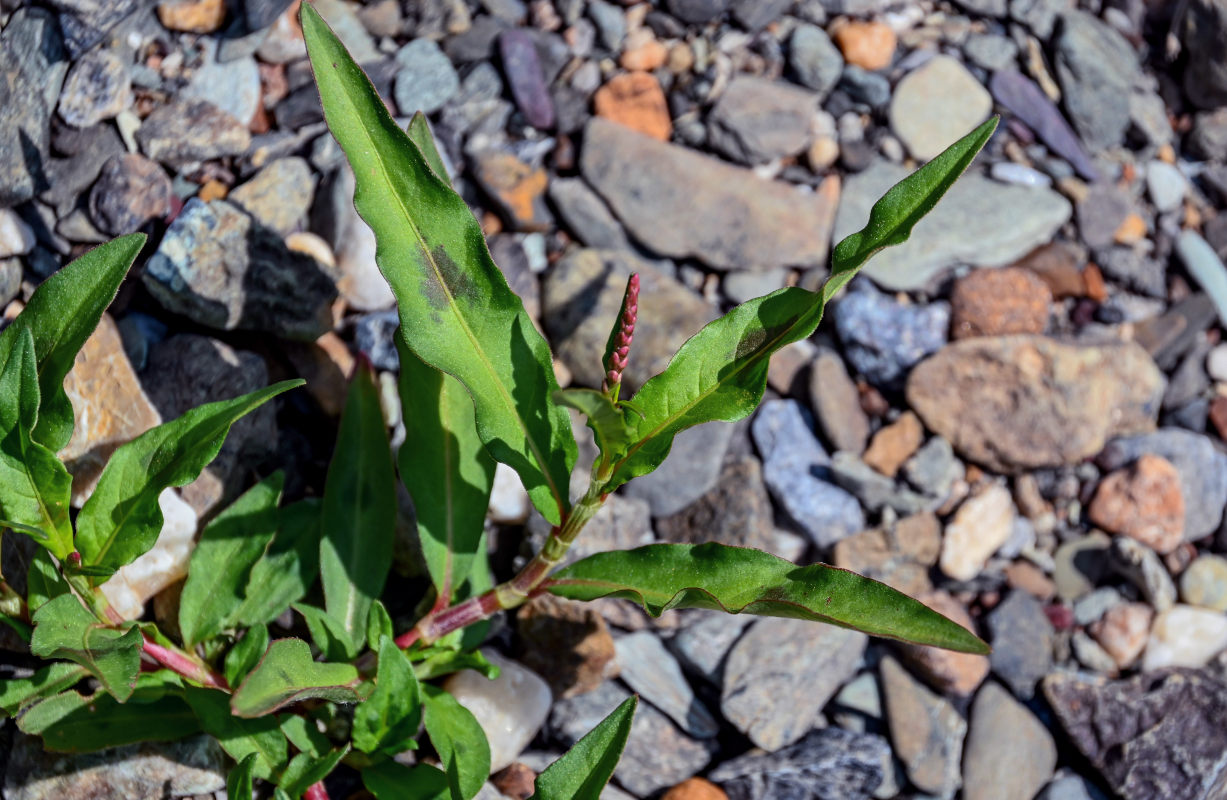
1204, 583
1203, 472
426, 79
814, 59
31, 57
1010, 755
797, 470
1039, 15
936, 104
1203, 30
657, 754
737, 511
979, 222
1165, 185
757, 120
1206, 268
1142, 567
1097, 69
828, 764
342, 17
697, 11
581, 297
1090, 607
623, 523
780, 674
683, 204
985, 8
610, 23
1155, 735
883, 338
279, 195
219, 267
97, 87
741, 287
1022, 97
1101, 212
525, 77
1070, 787
652, 671
754, 15
1133, 268
926, 730
586, 215
1021, 635
991, 52
837, 404
702, 646
512, 260
85, 156
1208, 138
131, 191
1148, 120
84, 23
689, 471
232, 86
192, 766
933, 469
375, 337
191, 130
874, 490
870, 88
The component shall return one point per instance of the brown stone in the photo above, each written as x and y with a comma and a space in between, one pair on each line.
736, 511
567, 643
1131, 231
1015, 403
895, 444
868, 45
995, 302
325, 365
1143, 502
211, 190
1031, 579
899, 556
517, 781
1096, 287
642, 52
837, 403
695, 789
110, 407
1123, 631
517, 188
192, 16
635, 100
945, 670
1218, 415
1057, 265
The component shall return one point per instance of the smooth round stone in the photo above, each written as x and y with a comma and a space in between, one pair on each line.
508, 499
1019, 174
16, 237
510, 709
426, 79
1216, 362
1184, 636
1204, 583
936, 104
1166, 185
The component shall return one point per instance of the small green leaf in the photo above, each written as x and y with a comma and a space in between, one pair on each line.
582, 772
306, 770
456, 310
389, 780
304, 733
54, 677
240, 738
289, 567
328, 634
387, 721
221, 563
892, 218
34, 485
435, 663
70, 722
287, 674
43, 581
446, 469
62, 313
238, 782
607, 421
359, 510
122, 519
64, 629
419, 133
459, 741
378, 624
245, 654
738, 580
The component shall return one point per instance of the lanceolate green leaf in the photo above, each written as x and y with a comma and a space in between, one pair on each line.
221, 563
456, 310
419, 133
238, 782
70, 722
288, 568
239, 737
892, 218
55, 677
34, 485
327, 633
582, 772
64, 629
359, 510
122, 519
388, 720
245, 654
607, 421
306, 769
459, 741
446, 469
738, 580
61, 315
287, 674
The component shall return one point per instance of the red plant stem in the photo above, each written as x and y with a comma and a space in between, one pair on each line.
183, 665
316, 791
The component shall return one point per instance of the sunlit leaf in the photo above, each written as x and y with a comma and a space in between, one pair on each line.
582, 772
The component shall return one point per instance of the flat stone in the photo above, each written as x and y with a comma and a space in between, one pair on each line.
1206, 268
829, 763
1010, 754
736, 511
1166, 186
526, 78
566, 643
232, 86
161, 566
979, 528
686, 205
510, 709
425, 80
934, 469
636, 101
781, 673
702, 646
899, 555
224, 270
586, 215
191, 130
131, 191
1123, 631
31, 67
926, 730
979, 222
1096, 67
279, 195
814, 59
517, 189
999, 302
97, 88
1155, 735
1024, 99
84, 23
757, 120
935, 105
1185, 636
1143, 502
1020, 402
874, 490
689, 471
945, 670
1022, 638
837, 404
652, 672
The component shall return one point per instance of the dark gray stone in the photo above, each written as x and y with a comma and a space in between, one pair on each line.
933, 468
985, 8
836, 403
131, 191
610, 23
31, 54
702, 646
85, 22
1101, 212
882, 338
814, 59
754, 15
828, 764
697, 12
757, 120
1203, 30
1160, 734
1134, 269
509, 255
192, 130
70, 176
375, 337
1208, 138
864, 86
1021, 635
737, 511
1096, 68
586, 215
522, 67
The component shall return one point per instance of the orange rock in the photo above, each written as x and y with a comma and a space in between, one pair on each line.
110, 407
1132, 230
642, 52
518, 188
945, 670
1123, 631
998, 302
1031, 579
1143, 502
1057, 265
212, 189
635, 100
1096, 288
192, 16
695, 789
894, 444
868, 45
517, 780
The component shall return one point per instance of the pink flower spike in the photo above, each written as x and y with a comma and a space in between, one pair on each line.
619, 347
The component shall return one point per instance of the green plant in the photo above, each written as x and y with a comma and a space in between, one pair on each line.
477, 386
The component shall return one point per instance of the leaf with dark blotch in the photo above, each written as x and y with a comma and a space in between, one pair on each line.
459, 741
63, 628
122, 519
582, 772
287, 674
738, 580
456, 310
446, 469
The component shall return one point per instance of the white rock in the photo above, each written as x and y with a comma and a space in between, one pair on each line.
16, 237
1009, 172
1166, 185
1185, 636
361, 283
508, 499
980, 526
510, 709
129, 588
1216, 362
